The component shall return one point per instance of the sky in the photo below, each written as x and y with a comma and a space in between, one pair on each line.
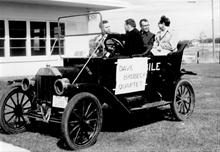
189, 18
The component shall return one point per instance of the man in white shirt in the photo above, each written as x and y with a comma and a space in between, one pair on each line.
105, 28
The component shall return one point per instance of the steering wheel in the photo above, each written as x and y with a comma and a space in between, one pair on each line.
113, 46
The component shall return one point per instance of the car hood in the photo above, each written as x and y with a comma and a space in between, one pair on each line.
64, 72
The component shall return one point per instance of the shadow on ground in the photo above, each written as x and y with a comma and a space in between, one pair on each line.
113, 122
116, 122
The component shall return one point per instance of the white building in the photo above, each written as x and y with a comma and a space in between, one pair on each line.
27, 31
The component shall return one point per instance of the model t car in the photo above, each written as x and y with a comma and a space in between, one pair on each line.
74, 94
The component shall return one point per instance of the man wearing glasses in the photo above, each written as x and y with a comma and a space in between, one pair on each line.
147, 36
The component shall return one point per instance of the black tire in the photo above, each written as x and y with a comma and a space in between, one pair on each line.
184, 100
82, 121
14, 106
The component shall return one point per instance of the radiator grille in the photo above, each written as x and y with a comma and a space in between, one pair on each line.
45, 87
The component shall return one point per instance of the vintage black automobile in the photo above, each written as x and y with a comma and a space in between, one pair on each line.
74, 94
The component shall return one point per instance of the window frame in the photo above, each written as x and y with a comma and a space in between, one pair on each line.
53, 38
14, 50
2, 38
12, 38
39, 39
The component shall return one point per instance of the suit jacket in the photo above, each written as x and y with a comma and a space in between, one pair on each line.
133, 42
148, 39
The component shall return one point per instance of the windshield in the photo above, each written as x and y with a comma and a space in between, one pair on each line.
80, 30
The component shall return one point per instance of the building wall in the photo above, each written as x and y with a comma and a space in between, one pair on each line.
29, 64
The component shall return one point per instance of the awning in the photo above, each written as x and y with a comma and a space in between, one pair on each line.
91, 5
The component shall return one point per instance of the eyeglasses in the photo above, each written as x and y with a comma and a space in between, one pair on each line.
145, 25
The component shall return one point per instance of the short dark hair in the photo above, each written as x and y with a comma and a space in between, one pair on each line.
143, 20
131, 22
165, 20
103, 22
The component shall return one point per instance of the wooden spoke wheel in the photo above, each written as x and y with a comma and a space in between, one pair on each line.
82, 121
184, 100
14, 106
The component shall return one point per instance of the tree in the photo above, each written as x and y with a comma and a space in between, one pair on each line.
217, 40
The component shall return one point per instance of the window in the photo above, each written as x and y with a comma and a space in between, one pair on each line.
38, 38
2, 38
54, 38
17, 34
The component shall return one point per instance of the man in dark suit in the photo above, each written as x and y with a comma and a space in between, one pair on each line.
133, 43
147, 36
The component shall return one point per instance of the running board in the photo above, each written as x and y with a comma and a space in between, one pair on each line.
151, 105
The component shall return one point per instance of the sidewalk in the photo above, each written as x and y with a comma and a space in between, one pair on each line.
5, 147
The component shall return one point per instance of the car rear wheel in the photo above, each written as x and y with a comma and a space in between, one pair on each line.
184, 100
14, 106
82, 121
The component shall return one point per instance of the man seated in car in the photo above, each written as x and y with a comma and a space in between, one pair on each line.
165, 42
133, 43
99, 40
147, 36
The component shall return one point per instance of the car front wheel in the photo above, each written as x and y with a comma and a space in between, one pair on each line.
82, 120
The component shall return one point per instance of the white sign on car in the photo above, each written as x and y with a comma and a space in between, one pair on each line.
131, 75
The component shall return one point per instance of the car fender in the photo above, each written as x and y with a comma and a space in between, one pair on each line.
103, 94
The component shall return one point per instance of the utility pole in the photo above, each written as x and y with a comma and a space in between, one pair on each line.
213, 33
